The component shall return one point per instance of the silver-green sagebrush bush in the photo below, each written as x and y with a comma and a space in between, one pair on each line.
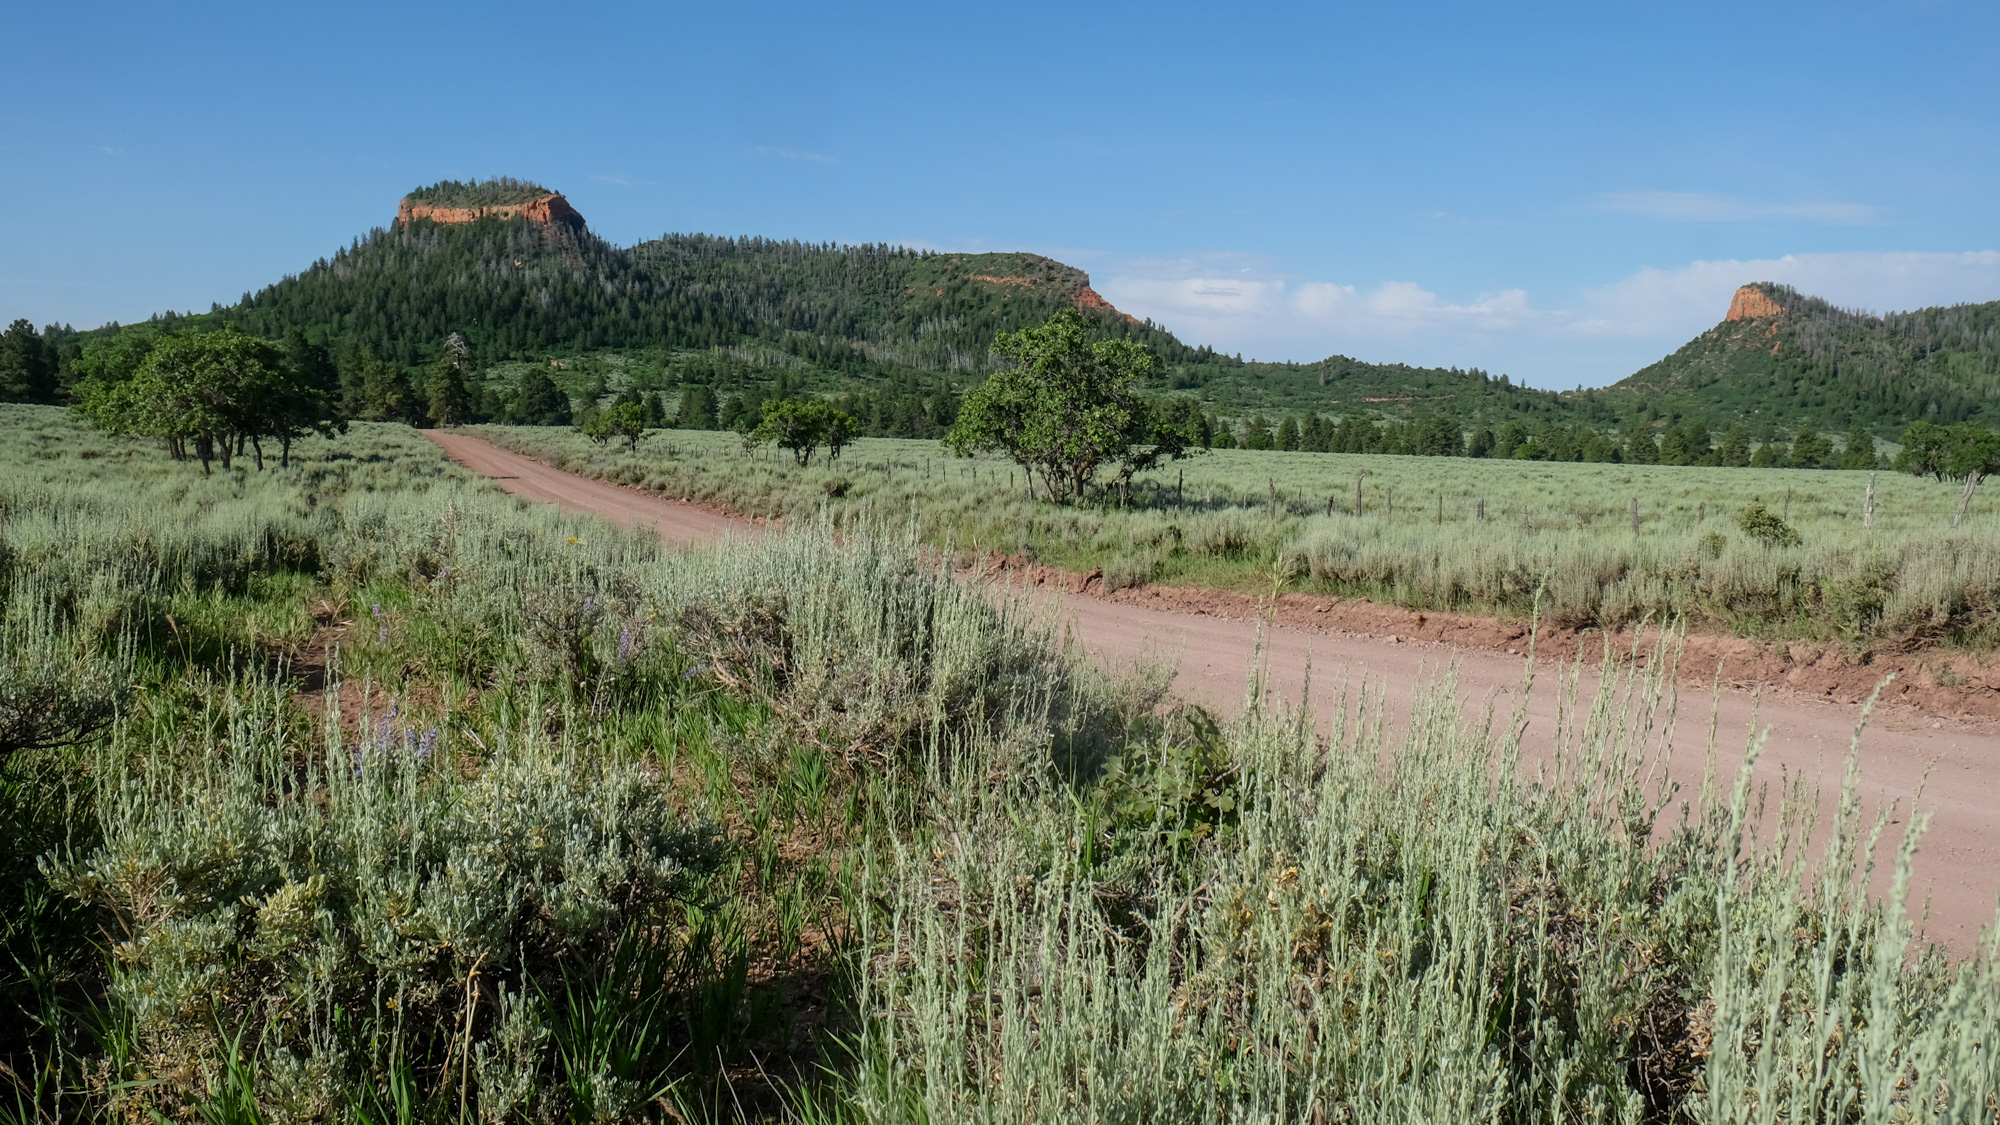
420, 804
1433, 940
300, 889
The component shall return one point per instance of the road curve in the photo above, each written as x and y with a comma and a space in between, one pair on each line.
1959, 862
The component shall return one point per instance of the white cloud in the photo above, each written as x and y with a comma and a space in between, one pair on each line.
1603, 335
1707, 207
621, 181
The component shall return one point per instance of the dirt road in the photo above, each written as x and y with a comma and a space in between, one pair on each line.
1958, 866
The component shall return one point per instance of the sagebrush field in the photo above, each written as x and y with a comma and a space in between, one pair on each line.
358, 791
1438, 533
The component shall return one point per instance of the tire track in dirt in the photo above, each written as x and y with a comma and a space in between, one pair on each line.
1958, 866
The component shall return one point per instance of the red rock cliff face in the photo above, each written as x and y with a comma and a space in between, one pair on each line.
1750, 303
1089, 300
547, 209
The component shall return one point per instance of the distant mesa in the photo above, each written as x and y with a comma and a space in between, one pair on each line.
1752, 302
452, 201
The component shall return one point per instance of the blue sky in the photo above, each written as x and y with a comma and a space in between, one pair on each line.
1560, 192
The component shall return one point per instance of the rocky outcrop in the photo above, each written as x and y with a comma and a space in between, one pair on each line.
1751, 302
1085, 298
1089, 300
551, 208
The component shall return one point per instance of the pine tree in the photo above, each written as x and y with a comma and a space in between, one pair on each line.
1858, 452
1735, 451
1640, 449
1673, 447
1810, 449
450, 402
540, 402
27, 370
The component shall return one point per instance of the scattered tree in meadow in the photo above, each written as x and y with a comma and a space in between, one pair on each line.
625, 421
1949, 452
206, 396
1067, 407
802, 426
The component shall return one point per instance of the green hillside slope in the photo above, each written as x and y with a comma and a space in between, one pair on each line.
1784, 359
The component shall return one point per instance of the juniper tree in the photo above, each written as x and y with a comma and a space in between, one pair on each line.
1067, 407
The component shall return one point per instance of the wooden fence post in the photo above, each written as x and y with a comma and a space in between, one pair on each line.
1787, 513
1964, 498
1440, 520
1357, 496
1388, 503
1868, 504
1635, 515
1482, 509
1701, 512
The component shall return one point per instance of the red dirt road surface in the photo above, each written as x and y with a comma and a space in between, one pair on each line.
1958, 866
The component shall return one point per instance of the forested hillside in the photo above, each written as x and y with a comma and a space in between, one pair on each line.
702, 329
517, 288
716, 324
1787, 359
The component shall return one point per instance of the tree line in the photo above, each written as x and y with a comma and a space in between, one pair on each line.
218, 395
1688, 442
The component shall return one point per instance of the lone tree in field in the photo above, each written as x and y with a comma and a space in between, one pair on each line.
802, 426
1069, 407
625, 421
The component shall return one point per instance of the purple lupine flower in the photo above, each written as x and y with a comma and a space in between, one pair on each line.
426, 744
625, 644
443, 574
378, 609
382, 635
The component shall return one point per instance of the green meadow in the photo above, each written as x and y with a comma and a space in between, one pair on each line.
1432, 533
